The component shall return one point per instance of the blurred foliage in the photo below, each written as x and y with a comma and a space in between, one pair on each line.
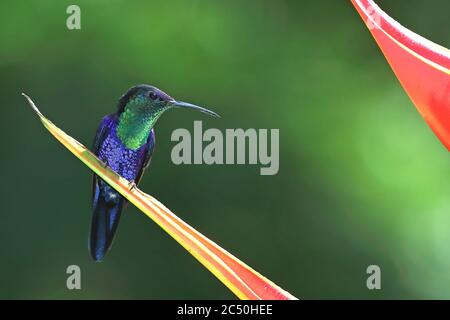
362, 179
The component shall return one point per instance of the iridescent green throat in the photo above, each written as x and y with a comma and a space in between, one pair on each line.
136, 122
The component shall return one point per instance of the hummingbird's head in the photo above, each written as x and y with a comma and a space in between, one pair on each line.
149, 100
139, 109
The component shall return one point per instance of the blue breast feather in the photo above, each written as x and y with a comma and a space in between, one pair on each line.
122, 160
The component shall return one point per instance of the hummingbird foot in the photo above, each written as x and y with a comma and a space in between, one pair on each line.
103, 164
131, 185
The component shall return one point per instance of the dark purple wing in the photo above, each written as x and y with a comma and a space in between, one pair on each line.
106, 210
101, 134
149, 147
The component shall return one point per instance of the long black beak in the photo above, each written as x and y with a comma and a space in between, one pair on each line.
181, 104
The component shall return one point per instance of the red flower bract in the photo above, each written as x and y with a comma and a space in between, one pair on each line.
422, 66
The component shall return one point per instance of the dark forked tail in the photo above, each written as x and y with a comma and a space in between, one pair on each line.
107, 206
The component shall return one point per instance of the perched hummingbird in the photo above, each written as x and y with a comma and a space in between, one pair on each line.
125, 141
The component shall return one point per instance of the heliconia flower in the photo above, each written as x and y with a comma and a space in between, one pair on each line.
242, 280
422, 66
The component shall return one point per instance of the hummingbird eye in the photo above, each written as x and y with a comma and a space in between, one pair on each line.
152, 96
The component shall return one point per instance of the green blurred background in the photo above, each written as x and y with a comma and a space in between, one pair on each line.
362, 179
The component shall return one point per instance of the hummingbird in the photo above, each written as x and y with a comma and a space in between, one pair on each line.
125, 141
